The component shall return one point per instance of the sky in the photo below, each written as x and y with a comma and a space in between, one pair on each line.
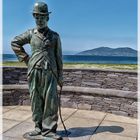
82, 24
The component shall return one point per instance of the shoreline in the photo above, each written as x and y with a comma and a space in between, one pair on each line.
80, 65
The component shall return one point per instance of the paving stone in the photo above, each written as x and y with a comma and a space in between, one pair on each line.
11, 138
25, 107
117, 118
1, 110
81, 129
65, 138
15, 114
64, 117
68, 111
29, 120
1, 126
89, 114
5, 110
81, 124
19, 130
7, 124
9, 107
100, 136
80, 138
123, 129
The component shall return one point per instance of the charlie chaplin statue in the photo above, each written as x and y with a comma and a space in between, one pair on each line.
44, 71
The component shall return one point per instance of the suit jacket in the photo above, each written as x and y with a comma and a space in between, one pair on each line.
44, 46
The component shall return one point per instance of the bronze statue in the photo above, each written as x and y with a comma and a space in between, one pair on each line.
44, 71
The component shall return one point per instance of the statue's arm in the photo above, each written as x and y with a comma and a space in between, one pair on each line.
59, 60
17, 46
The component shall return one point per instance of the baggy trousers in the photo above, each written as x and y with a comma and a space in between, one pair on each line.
44, 100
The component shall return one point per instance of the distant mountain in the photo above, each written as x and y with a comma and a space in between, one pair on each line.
106, 51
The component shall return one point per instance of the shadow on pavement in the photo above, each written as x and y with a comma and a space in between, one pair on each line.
84, 131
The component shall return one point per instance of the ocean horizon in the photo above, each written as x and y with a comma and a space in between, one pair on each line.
86, 59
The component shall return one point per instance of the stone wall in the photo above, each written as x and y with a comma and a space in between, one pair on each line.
95, 78
123, 103
116, 105
111, 91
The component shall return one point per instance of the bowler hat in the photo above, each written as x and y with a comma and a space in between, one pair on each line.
41, 8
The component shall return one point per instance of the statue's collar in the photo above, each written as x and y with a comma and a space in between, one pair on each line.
45, 32
42, 31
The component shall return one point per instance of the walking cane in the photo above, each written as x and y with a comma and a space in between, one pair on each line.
59, 107
59, 104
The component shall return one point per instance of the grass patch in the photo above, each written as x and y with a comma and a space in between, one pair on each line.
13, 63
84, 65
102, 66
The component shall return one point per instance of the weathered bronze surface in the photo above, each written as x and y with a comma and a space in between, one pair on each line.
44, 70
26, 136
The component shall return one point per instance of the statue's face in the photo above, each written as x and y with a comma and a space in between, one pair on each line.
41, 20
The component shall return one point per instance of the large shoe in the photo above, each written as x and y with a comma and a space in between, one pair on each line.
34, 133
53, 136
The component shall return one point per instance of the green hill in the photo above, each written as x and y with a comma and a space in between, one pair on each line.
106, 51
